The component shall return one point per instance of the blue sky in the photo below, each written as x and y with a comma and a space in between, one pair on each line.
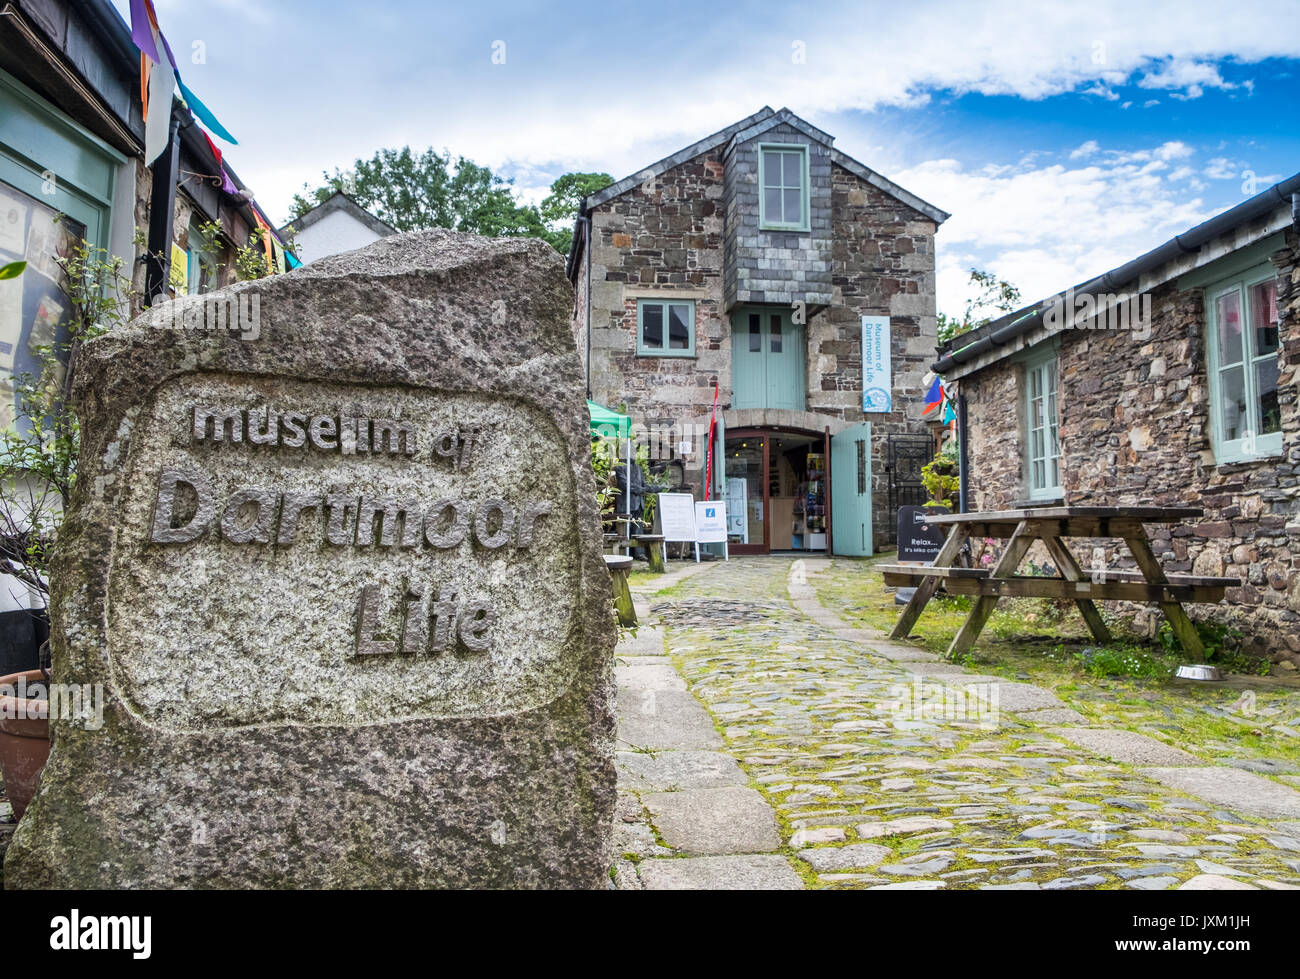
1064, 139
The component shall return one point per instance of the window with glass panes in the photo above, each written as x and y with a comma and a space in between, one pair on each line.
202, 261
1043, 444
665, 328
783, 187
1242, 315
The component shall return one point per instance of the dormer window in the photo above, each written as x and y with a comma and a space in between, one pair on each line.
783, 187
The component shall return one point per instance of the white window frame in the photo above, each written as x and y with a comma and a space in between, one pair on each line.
1240, 449
1044, 371
804, 180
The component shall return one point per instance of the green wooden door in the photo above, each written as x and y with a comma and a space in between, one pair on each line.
851, 491
767, 359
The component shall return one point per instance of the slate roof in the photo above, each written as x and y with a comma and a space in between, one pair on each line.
746, 129
339, 201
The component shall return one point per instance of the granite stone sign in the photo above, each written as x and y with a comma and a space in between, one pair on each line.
343, 587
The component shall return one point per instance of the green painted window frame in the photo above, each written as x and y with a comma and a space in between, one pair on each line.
197, 256
644, 350
763, 223
35, 138
1237, 450
1045, 367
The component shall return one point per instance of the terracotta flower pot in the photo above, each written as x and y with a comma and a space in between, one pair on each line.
24, 739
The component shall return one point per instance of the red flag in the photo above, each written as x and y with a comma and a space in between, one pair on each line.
708, 469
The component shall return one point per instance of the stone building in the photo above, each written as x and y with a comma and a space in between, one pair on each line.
337, 224
73, 168
1171, 380
747, 261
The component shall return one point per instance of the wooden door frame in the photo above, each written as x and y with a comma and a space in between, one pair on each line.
765, 435
830, 503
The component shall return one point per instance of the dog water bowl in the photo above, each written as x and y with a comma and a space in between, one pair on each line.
1199, 671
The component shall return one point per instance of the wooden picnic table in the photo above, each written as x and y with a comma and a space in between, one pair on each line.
1020, 528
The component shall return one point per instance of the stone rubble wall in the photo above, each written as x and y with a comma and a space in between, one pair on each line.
668, 236
1135, 428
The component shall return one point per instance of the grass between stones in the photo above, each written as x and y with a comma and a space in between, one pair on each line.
804, 714
1245, 717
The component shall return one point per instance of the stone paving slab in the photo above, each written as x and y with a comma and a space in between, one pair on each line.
648, 676
664, 720
727, 873
938, 668
1020, 696
900, 653
1053, 715
1126, 746
851, 857
678, 770
1234, 789
648, 641
711, 822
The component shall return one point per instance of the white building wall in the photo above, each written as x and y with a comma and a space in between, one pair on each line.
335, 232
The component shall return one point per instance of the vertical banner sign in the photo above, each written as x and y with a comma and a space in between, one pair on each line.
713, 427
877, 378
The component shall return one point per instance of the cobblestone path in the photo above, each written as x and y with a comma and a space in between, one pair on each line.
767, 744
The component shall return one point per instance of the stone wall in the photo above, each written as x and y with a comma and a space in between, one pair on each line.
666, 239
882, 264
1135, 428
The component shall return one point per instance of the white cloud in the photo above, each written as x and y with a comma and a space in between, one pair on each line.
1046, 228
557, 101
1184, 78
1222, 168
1084, 150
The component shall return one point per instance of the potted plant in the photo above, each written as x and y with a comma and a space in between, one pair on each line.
24, 734
940, 476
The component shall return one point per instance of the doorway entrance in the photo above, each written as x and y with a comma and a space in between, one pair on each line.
798, 491
776, 491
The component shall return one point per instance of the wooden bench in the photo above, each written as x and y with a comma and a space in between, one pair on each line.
1125, 586
1020, 529
656, 551
618, 567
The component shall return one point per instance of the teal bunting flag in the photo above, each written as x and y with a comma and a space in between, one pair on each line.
204, 113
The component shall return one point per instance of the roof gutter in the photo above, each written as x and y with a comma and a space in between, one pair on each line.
1002, 331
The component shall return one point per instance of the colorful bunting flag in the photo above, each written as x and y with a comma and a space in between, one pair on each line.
145, 66
216, 153
157, 127
142, 22
935, 393
203, 112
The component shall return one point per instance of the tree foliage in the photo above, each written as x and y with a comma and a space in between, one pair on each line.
994, 295
416, 191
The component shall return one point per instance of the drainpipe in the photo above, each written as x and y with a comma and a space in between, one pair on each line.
963, 465
162, 212
586, 232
